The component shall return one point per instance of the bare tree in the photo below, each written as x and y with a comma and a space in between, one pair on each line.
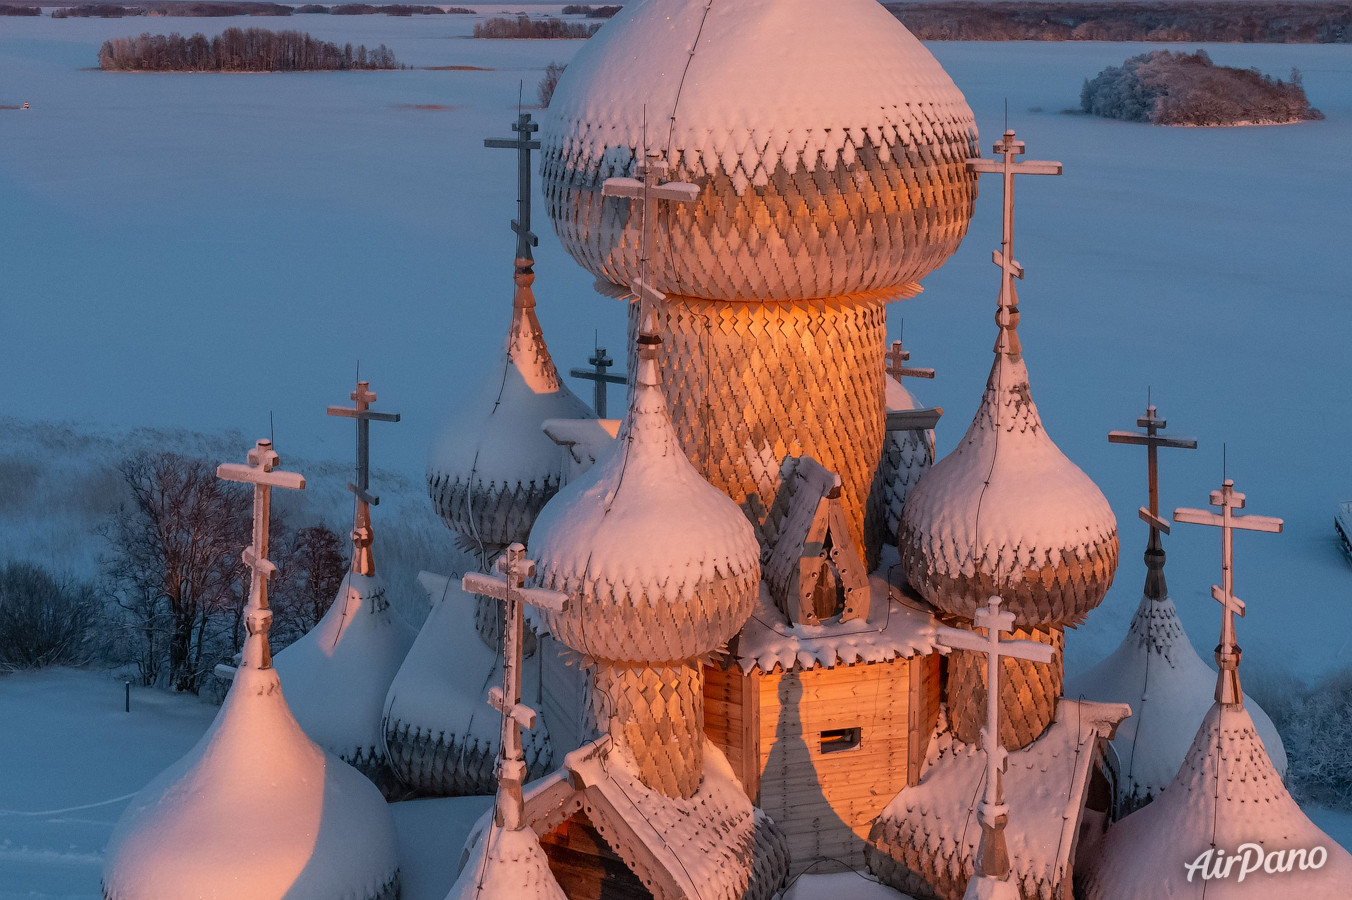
175, 563
553, 72
311, 566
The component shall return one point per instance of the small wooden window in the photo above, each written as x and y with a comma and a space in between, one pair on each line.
840, 739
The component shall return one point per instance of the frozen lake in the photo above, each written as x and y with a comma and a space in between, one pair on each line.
200, 250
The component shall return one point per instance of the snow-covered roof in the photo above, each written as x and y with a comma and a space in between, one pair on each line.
1170, 688
661, 564
338, 673
1225, 795
749, 85
898, 625
255, 810
1006, 512
441, 733
929, 833
491, 467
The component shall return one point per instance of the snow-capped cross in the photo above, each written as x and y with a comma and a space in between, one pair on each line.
1228, 652
895, 356
509, 587
523, 145
649, 191
993, 855
1155, 587
599, 377
262, 474
363, 558
1007, 315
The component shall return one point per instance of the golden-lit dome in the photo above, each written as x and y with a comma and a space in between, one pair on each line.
828, 144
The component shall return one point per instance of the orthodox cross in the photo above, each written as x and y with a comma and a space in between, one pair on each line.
523, 145
1228, 652
1007, 316
1155, 588
649, 191
599, 378
993, 855
363, 558
509, 587
895, 356
262, 474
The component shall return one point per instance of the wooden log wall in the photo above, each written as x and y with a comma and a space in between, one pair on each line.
770, 726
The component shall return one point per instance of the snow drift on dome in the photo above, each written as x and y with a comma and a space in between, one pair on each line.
667, 565
441, 733
338, 674
1169, 687
255, 811
815, 129
492, 468
1006, 512
510, 865
1143, 856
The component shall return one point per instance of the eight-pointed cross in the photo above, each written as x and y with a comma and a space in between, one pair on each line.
509, 587
1228, 652
363, 559
261, 473
523, 145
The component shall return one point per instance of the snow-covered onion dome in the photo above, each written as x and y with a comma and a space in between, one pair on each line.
509, 864
828, 143
906, 456
338, 673
1156, 671
828, 147
1227, 810
1007, 513
660, 568
492, 469
255, 811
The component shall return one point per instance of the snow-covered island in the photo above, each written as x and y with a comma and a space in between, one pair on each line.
1176, 88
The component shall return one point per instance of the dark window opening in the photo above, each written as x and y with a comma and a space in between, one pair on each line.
838, 739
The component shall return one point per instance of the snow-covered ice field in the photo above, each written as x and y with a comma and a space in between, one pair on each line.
197, 251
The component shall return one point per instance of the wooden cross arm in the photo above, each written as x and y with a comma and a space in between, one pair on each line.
1268, 524
1152, 520
913, 419
958, 639
512, 143
348, 412
607, 377
524, 715
675, 191
910, 372
367, 496
495, 586
1014, 267
525, 233
1231, 602
255, 475
644, 291
1031, 167
251, 559
1147, 440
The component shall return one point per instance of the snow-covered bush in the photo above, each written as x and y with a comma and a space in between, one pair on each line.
1167, 88
533, 29
1316, 727
46, 622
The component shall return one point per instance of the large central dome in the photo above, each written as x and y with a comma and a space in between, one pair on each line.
828, 143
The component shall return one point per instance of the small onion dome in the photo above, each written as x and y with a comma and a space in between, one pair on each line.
492, 469
255, 811
661, 565
509, 865
818, 132
1007, 513
1156, 671
338, 673
906, 456
1226, 796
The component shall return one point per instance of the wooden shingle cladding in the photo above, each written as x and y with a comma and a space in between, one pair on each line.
771, 728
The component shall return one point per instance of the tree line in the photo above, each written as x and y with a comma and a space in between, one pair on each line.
239, 50
591, 12
1280, 22
169, 602
534, 29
